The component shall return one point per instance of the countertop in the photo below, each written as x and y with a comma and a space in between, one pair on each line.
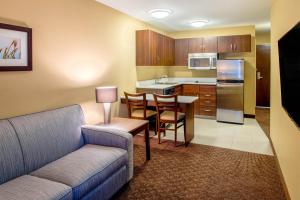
180, 99
166, 83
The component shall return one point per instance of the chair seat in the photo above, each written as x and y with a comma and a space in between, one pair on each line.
170, 116
140, 113
84, 169
29, 187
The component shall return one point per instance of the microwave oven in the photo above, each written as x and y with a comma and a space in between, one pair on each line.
202, 61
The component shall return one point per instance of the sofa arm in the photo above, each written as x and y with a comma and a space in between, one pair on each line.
98, 135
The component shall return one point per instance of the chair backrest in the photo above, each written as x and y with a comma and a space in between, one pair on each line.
136, 102
166, 103
48, 136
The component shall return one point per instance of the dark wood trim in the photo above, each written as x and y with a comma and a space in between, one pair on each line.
29, 47
285, 188
249, 116
145, 128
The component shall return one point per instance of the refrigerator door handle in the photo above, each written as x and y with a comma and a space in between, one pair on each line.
228, 85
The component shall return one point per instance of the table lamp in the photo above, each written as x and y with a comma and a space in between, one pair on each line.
107, 95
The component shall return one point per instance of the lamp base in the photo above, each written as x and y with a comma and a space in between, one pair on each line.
107, 112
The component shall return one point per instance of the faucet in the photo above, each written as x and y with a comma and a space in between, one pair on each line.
157, 81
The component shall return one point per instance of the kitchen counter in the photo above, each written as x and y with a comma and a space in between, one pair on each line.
166, 83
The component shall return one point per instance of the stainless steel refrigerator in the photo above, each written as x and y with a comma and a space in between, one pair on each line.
230, 91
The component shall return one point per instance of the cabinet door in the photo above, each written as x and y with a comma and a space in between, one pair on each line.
172, 52
181, 52
178, 90
142, 48
242, 43
225, 44
168, 51
156, 48
195, 45
210, 44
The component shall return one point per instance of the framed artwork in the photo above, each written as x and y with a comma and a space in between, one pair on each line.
15, 48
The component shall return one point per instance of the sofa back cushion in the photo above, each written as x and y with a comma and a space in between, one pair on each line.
11, 160
49, 135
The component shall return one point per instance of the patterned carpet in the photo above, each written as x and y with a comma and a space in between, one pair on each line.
202, 172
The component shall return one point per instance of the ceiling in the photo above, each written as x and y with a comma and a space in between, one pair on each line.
219, 13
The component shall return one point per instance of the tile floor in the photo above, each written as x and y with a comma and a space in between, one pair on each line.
248, 137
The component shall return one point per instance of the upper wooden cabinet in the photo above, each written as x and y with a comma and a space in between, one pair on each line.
203, 45
237, 43
181, 52
168, 51
195, 45
154, 49
210, 44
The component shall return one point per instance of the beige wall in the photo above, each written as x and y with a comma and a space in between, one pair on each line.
77, 45
284, 134
250, 60
263, 38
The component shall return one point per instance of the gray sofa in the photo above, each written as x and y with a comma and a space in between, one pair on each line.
53, 155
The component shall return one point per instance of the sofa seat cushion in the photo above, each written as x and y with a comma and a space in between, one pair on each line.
33, 188
84, 169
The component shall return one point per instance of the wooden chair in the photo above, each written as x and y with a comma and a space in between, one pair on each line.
137, 108
167, 113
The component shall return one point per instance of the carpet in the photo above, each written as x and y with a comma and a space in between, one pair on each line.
202, 172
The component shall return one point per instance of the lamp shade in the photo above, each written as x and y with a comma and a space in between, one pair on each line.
107, 94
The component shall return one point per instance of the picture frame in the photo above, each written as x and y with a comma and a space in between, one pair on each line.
15, 48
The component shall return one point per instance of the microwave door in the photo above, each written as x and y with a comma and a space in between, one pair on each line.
199, 63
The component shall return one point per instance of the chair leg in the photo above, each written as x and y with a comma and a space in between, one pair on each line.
175, 136
156, 126
159, 134
159, 142
184, 131
165, 129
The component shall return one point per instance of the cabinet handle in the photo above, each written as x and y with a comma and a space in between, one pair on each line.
235, 47
231, 46
207, 95
207, 110
207, 101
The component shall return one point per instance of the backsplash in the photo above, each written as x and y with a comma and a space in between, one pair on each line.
184, 72
154, 72
151, 72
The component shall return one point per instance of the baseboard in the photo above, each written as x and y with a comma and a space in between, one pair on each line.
249, 116
285, 188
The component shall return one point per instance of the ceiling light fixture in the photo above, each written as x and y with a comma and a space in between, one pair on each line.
199, 23
160, 13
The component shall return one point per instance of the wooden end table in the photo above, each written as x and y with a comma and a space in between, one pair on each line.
133, 126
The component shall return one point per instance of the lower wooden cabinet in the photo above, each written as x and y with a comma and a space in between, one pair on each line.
206, 104
178, 90
208, 100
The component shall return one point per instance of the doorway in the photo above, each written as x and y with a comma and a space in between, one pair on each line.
263, 59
